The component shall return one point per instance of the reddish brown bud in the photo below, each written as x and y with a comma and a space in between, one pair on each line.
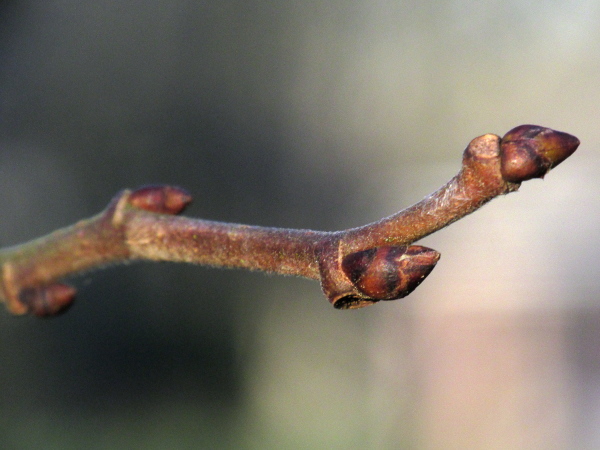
160, 199
48, 301
530, 151
389, 273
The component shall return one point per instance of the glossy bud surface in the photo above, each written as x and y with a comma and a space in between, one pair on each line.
389, 273
530, 151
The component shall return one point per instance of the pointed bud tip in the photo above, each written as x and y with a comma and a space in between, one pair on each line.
423, 255
530, 151
421, 262
162, 199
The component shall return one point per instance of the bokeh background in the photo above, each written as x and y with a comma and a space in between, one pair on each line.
323, 115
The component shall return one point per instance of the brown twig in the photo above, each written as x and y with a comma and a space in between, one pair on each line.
356, 267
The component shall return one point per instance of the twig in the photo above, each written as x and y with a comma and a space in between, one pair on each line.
356, 267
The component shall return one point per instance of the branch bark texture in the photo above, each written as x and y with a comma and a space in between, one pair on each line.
356, 267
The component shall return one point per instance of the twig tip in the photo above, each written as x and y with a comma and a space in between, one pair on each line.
530, 151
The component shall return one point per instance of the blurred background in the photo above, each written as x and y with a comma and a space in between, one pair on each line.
322, 115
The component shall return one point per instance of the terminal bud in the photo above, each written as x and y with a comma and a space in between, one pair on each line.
530, 151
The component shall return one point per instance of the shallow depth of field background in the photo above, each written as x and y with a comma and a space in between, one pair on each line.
323, 115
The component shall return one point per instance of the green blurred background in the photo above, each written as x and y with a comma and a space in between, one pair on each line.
323, 115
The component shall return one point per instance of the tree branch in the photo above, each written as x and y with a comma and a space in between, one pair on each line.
356, 267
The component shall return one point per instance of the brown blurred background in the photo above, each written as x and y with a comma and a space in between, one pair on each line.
324, 115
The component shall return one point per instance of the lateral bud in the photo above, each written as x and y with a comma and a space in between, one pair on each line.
162, 199
383, 273
389, 273
46, 301
530, 151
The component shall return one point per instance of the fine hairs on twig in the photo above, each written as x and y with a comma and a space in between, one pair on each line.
356, 267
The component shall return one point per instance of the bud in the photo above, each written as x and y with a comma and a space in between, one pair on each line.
48, 301
160, 199
530, 151
389, 273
